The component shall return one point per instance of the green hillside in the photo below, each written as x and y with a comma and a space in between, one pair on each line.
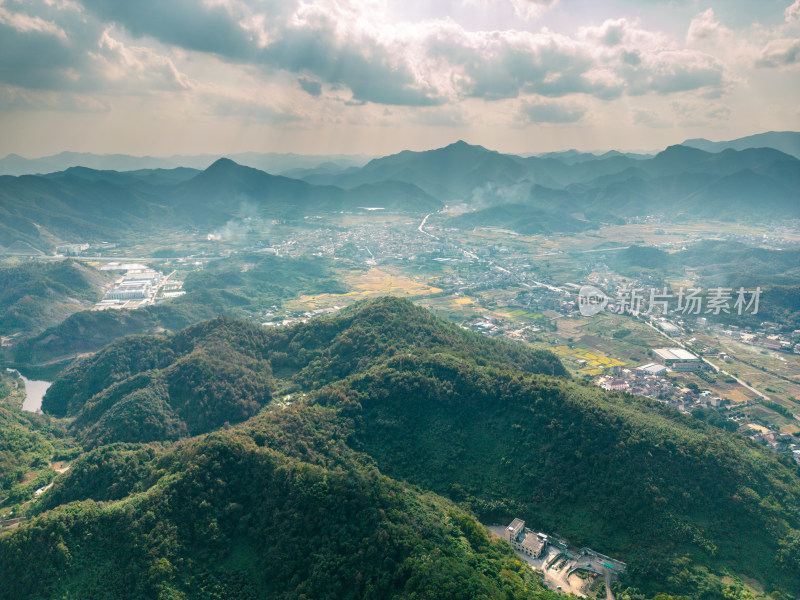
230, 518
299, 494
142, 389
28, 444
241, 285
608, 471
35, 296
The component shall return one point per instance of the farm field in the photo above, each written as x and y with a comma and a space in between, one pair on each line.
366, 284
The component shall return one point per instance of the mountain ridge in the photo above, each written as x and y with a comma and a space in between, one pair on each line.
785, 141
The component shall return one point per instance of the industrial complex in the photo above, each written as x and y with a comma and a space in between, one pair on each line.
138, 286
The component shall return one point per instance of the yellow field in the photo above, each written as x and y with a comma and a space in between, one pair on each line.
464, 300
595, 362
378, 282
365, 284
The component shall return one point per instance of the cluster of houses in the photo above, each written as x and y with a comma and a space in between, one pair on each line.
767, 336
779, 442
650, 381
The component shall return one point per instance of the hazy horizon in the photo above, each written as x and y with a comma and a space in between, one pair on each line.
363, 155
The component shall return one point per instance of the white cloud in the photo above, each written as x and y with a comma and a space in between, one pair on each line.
25, 23
524, 9
792, 13
780, 53
345, 61
357, 45
705, 29
136, 67
532, 9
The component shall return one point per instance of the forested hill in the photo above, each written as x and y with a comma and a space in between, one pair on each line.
294, 491
34, 296
230, 518
147, 388
241, 285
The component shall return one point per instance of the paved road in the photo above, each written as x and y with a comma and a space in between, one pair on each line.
609, 593
709, 363
421, 227
604, 249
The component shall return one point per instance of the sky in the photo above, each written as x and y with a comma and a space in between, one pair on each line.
163, 77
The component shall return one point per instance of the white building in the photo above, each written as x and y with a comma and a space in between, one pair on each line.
678, 359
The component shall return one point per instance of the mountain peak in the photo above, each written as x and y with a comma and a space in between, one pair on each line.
222, 163
680, 152
462, 145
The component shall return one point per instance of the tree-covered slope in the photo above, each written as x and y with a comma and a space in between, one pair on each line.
143, 389
625, 475
28, 444
220, 370
304, 356
228, 518
34, 296
689, 507
241, 285
367, 333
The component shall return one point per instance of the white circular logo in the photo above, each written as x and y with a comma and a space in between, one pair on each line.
591, 300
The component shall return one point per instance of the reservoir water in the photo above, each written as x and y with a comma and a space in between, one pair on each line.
34, 392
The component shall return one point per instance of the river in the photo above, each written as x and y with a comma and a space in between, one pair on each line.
34, 392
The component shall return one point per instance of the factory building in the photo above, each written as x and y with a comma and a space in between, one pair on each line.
129, 291
678, 359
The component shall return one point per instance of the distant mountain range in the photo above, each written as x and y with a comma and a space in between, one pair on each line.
536, 194
785, 141
541, 194
13, 164
82, 204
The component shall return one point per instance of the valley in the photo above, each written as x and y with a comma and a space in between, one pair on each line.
300, 346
